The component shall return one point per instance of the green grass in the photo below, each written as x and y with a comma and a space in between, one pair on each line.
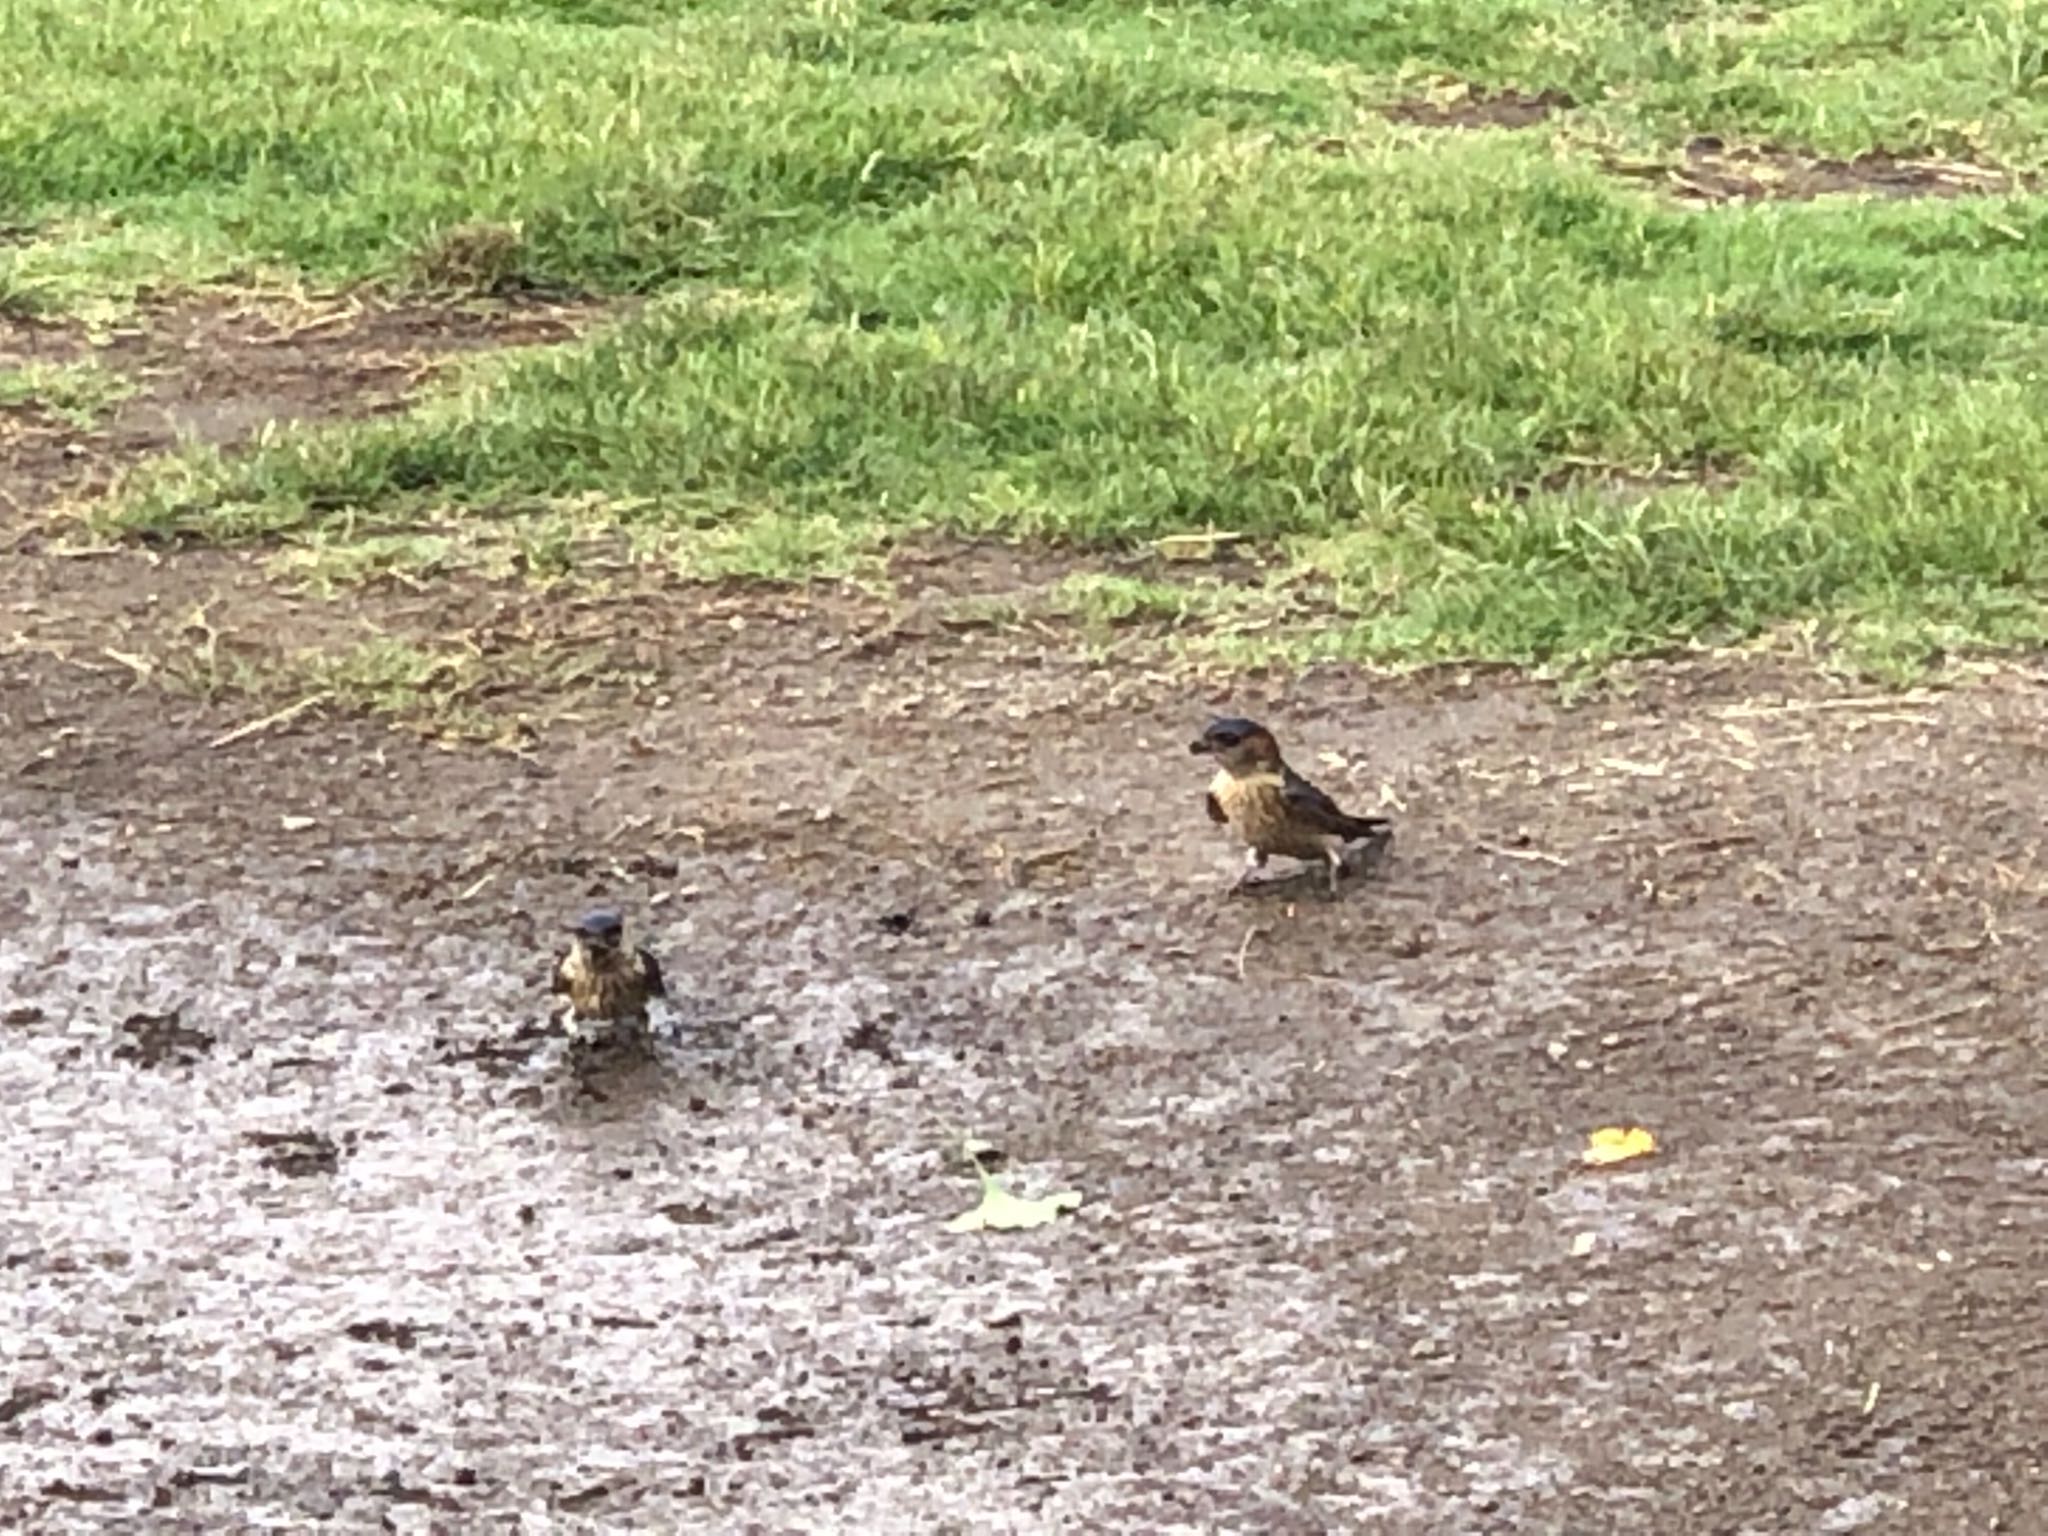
1090, 273
77, 394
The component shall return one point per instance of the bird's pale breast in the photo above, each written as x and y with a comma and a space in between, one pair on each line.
1257, 809
604, 986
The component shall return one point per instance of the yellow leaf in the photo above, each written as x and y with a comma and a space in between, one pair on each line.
1617, 1144
1001, 1211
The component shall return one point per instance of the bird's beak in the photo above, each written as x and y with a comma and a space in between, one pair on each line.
1199, 746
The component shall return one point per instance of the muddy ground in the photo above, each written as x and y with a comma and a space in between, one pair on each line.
308, 1223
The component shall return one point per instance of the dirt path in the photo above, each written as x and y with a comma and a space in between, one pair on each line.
305, 1224
337, 1245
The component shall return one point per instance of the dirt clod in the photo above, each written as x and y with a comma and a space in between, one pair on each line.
296, 1154
382, 1330
26, 1399
161, 1039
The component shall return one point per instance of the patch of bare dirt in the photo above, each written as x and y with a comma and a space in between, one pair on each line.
217, 370
1712, 171
1622, 483
372, 1255
1474, 106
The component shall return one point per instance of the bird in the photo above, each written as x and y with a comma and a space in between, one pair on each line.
604, 981
1271, 807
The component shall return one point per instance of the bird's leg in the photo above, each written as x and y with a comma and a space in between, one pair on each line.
665, 1024
586, 1037
1336, 857
1254, 861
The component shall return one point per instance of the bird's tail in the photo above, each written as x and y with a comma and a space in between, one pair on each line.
1359, 828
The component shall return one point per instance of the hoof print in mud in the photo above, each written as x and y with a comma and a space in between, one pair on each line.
161, 1040
296, 1154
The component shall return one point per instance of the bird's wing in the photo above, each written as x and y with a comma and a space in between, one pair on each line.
558, 976
650, 974
1317, 809
1216, 813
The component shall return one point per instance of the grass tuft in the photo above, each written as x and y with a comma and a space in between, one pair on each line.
79, 395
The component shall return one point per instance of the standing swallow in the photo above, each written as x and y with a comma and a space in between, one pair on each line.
603, 980
1273, 808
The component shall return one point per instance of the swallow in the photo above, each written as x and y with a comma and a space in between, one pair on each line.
1273, 808
603, 980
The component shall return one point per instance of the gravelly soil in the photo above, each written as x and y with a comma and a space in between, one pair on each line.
306, 1222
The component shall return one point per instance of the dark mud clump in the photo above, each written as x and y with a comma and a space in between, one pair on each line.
161, 1040
296, 1154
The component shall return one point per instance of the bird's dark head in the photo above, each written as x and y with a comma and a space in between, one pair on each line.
600, 928
1240, 745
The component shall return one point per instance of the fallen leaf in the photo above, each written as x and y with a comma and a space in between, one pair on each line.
1584, 1244
1617, 1144
999, 1210
297, 823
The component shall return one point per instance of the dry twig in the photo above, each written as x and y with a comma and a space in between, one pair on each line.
271, 721
1533, 855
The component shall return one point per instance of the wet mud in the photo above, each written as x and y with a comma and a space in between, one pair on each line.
309, 1219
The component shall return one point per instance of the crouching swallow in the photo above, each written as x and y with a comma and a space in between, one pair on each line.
1273, 808
606, 983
